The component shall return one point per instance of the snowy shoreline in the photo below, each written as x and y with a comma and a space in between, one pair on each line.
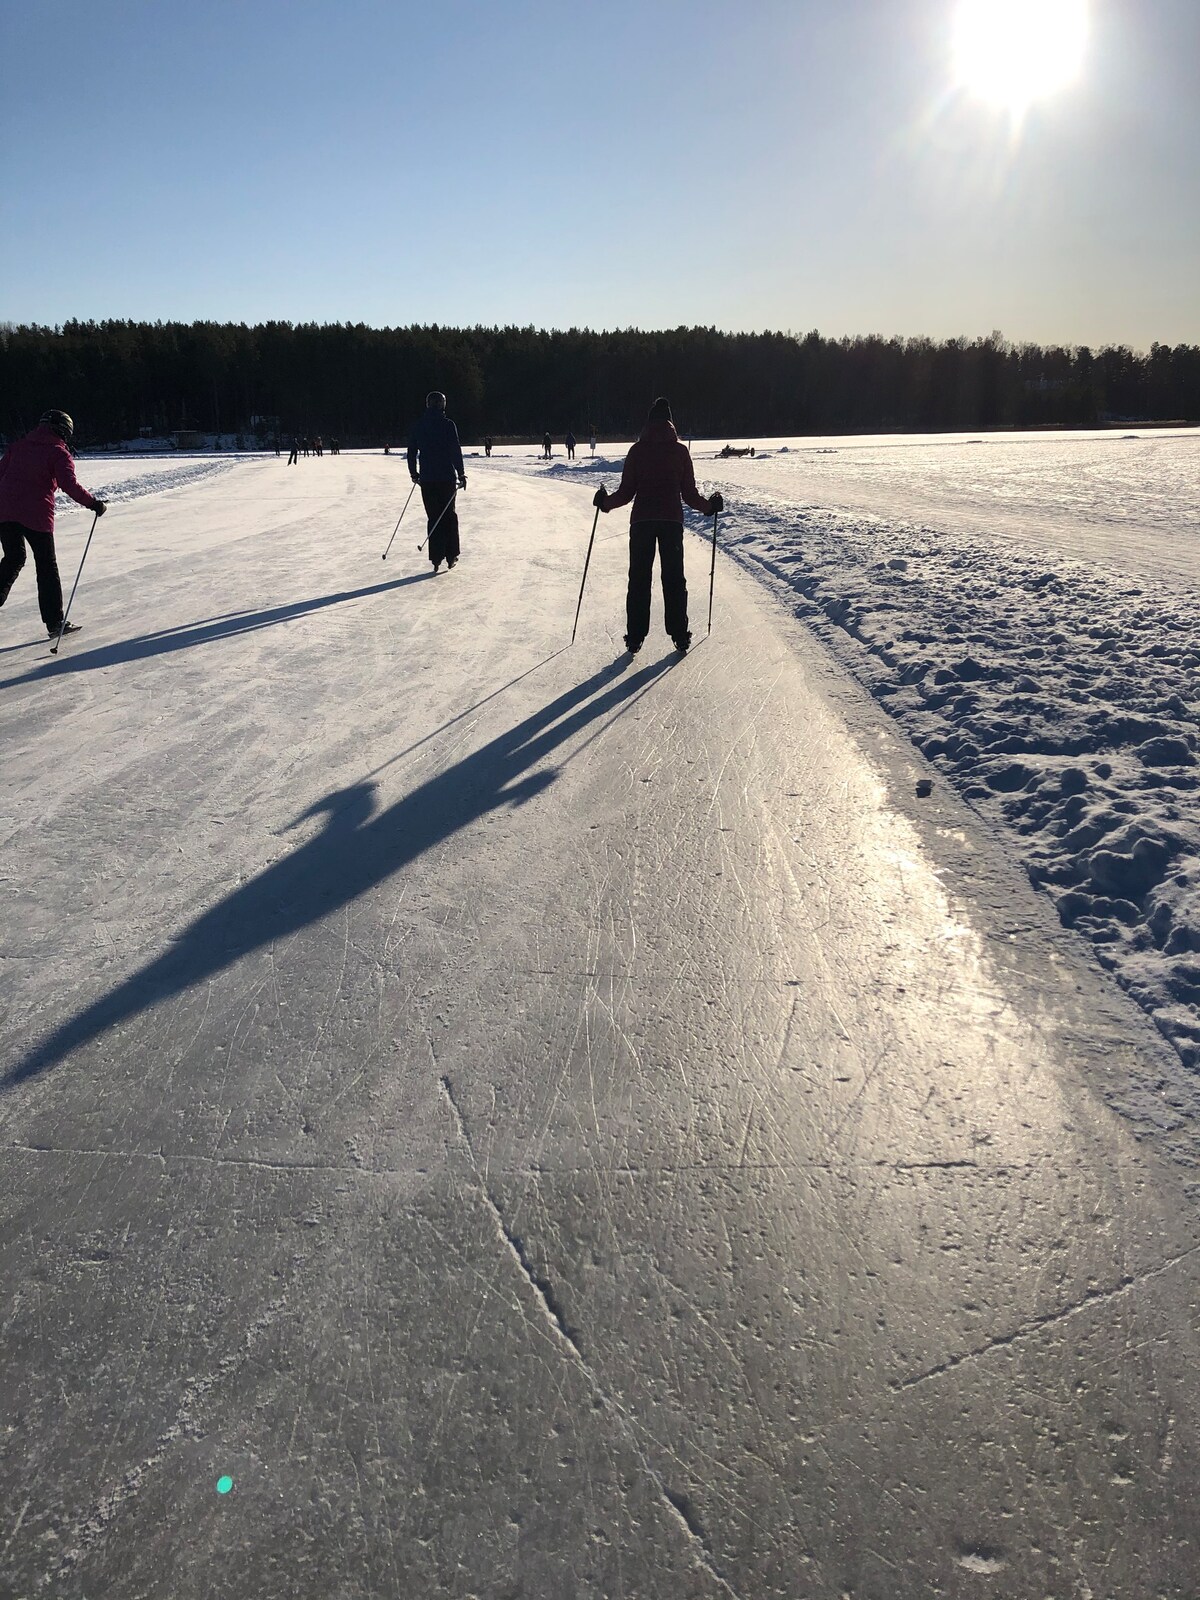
1059, 700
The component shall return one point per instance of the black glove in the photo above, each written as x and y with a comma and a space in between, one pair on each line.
414, 477
462, 481
716, 501
101, 507
600, 496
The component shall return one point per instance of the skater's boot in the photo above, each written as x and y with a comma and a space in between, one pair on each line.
632, 645
681, 642
67, 627
436, 565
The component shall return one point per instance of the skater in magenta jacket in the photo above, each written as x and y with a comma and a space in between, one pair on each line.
658, 477
30, 472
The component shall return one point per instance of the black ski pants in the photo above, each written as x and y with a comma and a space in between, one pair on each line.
667, 538
443, 541
13, 539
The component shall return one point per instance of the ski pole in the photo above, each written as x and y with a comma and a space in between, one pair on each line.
74, 586
712, 571
586, 564
438, 518
399, 520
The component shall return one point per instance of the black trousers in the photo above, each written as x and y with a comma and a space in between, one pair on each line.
13, 539
443, 542
644, 538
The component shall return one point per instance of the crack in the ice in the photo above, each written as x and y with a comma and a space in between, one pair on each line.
686, 1512
461, 1122
937, 1166
1048, 1319
680, 1504
251, 1163
534, 1169
540, 1283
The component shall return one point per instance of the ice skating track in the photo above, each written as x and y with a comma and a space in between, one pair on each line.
543, 1124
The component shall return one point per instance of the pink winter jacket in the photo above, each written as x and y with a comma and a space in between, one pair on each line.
658, 477
31, 470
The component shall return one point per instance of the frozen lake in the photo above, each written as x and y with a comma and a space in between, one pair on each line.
544, 1123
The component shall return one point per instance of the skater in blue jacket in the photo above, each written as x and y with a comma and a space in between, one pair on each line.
435, 461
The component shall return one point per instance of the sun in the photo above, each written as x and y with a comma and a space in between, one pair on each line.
1013, 52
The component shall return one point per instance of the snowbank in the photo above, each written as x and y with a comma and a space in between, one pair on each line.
137, 478
1059, 698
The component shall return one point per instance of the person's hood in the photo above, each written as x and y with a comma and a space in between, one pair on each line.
45, 434
660, 431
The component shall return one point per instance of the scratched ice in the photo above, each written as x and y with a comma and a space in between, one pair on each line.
545, 1124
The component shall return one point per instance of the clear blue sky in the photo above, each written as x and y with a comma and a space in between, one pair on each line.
765, 164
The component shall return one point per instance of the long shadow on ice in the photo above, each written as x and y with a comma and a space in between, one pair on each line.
167, 640
356, 849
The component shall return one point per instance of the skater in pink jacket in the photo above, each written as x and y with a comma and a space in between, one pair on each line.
30, 472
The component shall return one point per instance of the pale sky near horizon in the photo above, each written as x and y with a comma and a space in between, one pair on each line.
781, 164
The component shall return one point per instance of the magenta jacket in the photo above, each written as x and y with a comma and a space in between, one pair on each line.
32, 469
658, 477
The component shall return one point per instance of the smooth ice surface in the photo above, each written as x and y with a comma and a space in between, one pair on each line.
543, 1123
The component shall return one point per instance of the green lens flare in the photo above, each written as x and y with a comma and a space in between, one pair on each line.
224, 1485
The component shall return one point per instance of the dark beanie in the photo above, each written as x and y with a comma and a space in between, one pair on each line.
660, 411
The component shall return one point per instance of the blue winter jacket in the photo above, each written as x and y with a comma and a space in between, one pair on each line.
434, 438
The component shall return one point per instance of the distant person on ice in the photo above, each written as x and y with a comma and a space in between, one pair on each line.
291, 460
32, 468
435, 461
487, 445
658, 477
569, 441
547, 446
592, 441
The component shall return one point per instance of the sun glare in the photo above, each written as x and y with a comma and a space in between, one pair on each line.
1013, 52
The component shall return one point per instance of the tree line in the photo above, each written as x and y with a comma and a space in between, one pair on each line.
365, 385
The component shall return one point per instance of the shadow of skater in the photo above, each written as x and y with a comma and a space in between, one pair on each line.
167, 640
356, 849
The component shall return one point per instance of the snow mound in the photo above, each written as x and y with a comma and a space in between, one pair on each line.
570, 469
